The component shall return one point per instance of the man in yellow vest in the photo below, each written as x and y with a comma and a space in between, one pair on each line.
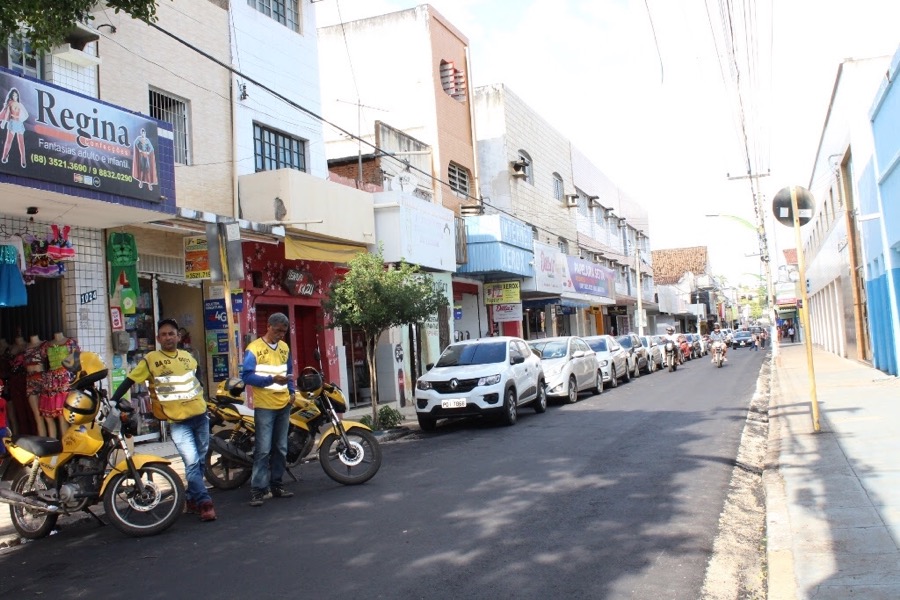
267, 369
177, 396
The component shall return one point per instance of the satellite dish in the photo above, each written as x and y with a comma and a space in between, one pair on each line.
404, 182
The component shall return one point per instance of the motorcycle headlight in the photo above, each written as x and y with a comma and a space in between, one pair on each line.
423, 385
490, 380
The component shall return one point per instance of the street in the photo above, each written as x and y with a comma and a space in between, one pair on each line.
617, 496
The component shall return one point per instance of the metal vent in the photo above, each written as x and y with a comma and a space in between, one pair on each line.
161, 265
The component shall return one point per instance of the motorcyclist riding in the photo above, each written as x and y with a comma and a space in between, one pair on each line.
720, 336
670, 334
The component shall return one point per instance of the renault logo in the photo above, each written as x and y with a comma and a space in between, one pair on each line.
454, 383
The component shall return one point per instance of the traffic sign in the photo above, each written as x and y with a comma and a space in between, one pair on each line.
781, 206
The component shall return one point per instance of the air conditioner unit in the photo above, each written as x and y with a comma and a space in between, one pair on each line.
520, 174
519, 168
572, 200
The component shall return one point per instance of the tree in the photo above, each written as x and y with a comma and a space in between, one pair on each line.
373, 298
48, 21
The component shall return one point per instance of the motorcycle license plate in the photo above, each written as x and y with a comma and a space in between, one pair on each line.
454, 403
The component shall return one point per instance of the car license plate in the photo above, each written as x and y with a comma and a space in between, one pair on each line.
454, 403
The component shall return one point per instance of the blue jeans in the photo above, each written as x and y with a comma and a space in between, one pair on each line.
191, 437
270, 449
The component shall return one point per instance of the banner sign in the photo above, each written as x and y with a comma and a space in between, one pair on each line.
214, 313
77, 141
589, 278
196, 258
506, 292
504, 313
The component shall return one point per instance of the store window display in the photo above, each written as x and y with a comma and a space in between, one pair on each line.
55, 382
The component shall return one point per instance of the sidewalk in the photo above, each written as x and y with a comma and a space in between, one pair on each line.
833, 497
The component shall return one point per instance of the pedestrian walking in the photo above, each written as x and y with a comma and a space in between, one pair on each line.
763, 336
791, 333
755, 338
177, 396
267, 369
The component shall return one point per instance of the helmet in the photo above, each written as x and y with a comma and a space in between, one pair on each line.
230, 390
85, 367
670, 329
80, 407
717, 326
310, 383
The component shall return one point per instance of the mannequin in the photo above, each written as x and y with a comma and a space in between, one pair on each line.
55, 382
21, 418
34, 370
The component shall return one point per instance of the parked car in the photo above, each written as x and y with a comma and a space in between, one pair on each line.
612, 358
569, 366
637, 354
742, 339
654, 351
483, 377
729, 336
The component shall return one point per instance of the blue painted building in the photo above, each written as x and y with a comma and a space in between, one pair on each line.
879, 216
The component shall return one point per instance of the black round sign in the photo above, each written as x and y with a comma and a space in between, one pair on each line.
783, 212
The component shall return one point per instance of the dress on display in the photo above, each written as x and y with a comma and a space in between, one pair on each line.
56, 379
12, 286
31, 357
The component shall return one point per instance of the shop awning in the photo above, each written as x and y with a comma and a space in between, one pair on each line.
301, 249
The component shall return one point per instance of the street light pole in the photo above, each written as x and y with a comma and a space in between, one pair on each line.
637, 267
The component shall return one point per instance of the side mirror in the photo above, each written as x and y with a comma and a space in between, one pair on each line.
429, 366
578, 354
517, 360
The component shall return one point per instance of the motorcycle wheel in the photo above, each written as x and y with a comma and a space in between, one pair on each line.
148, 513
30, 523
222, 473
354, 465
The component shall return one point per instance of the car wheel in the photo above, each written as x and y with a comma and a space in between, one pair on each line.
651, 366
510, 410
572, 392
637, 368
613, 377
540, 404
598, 389
427, 423
627, 377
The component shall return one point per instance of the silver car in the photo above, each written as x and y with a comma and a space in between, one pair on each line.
569, 366
654, 350
612, 358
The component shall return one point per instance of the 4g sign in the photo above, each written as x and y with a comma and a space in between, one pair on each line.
214, 314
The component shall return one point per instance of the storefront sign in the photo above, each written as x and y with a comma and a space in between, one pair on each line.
506, 292
585, 277
298, 283
78, 141
457, 312
617, 310
196, 258
507, 312
237, 301
116, 319
214, 314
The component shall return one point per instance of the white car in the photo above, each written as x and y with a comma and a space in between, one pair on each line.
488, 376
612, 358
569, 366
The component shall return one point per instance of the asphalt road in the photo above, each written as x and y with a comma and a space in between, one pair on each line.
617, 496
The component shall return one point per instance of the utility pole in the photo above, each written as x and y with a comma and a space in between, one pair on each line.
763, 241
637, 268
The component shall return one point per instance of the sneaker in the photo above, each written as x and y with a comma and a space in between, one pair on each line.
257, 497
207, 512
724, 360
191, 508
280, 492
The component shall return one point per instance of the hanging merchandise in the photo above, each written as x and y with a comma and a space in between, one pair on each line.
59, 247
12, 264
121, 250
38, 261
127, 296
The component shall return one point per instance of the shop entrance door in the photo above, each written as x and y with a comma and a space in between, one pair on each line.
306, 339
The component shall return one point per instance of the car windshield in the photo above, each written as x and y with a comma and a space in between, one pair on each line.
473, 354
645, 341
550, 349
598, 345
625, 341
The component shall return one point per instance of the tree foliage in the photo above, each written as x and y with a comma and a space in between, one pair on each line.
373, 298
48, 21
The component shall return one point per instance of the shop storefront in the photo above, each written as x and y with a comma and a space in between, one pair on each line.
61, 185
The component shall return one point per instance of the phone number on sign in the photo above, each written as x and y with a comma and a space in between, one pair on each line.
65, 164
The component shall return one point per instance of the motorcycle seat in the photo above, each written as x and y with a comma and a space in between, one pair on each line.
39, 445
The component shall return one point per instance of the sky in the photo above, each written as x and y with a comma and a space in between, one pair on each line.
646, 89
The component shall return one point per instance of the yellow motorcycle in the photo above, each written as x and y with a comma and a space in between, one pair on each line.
347, 450
141, 495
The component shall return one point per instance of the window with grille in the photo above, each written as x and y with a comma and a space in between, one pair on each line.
17, 55
563, 245
453, 80
459, 180
174, 112
275, 150
286, 12
558, 187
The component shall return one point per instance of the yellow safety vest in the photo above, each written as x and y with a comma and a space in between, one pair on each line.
270, 362
175, 391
